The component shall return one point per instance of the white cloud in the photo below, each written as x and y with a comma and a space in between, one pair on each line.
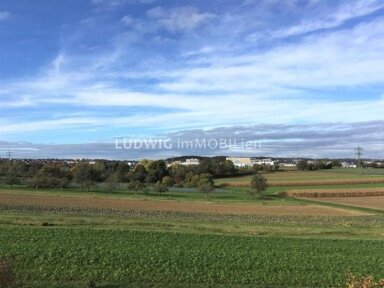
237, 86
345, 58
331, 139
179, 19
245, 88
348, 11
127, 20
4, 15
110, 3
23, 101
199, 52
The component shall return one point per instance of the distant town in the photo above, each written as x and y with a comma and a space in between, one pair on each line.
239, 161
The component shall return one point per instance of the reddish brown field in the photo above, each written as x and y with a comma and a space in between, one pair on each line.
367, 202
205, 207
348, 192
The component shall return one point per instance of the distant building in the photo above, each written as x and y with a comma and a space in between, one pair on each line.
241, 161
191, 161
249, 162
287, 165
132, 163
265, 161
348, 165
187, 162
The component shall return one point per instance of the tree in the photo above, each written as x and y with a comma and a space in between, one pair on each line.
145, 163
11, 180
139, 173
302, 165
34, 168
85, 175
336, 164
205, 184
11, 177
191, 180
135, 185
51, 175
258, 184
257, 167
113, 181
205, 188
177, 172
156, 171
267, 168
230, 168
122, 170
160, 188
167, 181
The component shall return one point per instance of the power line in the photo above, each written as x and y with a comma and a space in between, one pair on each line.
359, 153
9, 154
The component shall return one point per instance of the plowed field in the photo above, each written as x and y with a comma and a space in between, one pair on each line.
123, 204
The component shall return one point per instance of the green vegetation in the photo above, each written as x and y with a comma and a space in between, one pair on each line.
295, 176
91, 175
352, 227
258, 184
48, 255
81, 247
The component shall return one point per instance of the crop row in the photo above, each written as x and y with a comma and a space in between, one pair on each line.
374, 220
65, 255
350, 192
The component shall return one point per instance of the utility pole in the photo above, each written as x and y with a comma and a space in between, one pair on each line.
9, 154
359, 153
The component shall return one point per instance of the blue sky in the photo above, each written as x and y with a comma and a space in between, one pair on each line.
84, 72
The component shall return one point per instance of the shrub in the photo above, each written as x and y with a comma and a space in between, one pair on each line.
205, 188
258, 184
160, 188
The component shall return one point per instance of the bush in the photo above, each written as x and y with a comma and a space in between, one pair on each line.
160, 188
167, 181
258, 184
205, 188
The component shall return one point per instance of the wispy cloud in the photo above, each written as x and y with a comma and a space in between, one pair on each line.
4, 15
110, 3
336, 59
334, 140
216, 90
344, 13
172, 67
180, 18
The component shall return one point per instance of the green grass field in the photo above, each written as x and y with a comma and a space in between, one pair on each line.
50, 247
295, 176
62, 257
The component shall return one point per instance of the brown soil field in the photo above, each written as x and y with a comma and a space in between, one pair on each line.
152, 205
347, 192
367, 202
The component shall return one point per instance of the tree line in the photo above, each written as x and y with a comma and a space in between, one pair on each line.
89, 175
